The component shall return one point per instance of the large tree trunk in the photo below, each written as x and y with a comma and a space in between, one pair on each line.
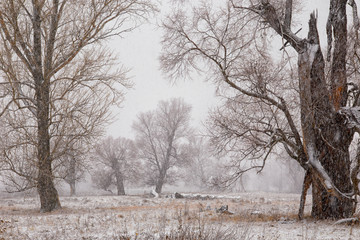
48, 194
326, 138
336, 161
325, 205
49, 198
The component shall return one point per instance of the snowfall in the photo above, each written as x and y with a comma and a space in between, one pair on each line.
249, 216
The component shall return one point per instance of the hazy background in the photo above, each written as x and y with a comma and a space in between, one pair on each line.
139, 51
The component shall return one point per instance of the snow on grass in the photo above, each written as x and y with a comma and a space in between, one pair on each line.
255, 216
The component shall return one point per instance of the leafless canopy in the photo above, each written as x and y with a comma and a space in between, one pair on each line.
161, 138
311, 114
58, 80
114, 163
226, 42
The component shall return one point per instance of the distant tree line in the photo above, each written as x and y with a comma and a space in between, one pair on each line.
165, 150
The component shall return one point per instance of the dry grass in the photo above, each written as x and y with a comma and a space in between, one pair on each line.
258, 218
175, 219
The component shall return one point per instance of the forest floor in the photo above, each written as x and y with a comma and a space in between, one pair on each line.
249, 216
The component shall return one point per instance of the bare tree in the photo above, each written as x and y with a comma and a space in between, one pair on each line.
314, 122
74, 173
58, 79
204, 169
115, 162
161, 140
72, 166
198, 168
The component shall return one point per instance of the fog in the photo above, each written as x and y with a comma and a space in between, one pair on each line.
139, 51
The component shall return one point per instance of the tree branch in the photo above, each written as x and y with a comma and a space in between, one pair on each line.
288, 14
268, 13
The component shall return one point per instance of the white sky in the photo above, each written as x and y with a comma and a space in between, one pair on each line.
140, 49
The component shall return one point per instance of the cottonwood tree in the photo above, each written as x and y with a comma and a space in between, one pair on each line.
161, 141
58, 80
114, 163
233, 45
72, 166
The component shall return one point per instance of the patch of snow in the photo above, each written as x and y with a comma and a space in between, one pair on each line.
154, 193
317, 165
136, 217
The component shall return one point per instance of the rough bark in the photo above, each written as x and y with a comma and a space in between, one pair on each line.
326, 138
49, 198
325, 205
337, 24
306, 186
333, 137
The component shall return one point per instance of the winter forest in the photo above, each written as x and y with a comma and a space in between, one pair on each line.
177, 119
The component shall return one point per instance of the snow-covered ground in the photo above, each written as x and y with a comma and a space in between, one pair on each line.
255, 216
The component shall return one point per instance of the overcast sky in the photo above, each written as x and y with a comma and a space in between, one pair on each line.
140, 50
